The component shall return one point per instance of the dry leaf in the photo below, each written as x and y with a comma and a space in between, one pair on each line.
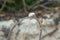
2, 15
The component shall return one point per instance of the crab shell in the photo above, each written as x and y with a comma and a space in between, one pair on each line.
31, 14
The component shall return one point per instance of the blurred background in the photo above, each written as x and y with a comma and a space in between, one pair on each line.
21, 8
47, 12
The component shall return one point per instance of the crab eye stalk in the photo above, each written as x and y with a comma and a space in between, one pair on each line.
41, 20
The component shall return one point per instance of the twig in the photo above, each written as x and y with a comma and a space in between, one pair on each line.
40, 33
50, 33
24, 5
40, 28
34, 6
38, 1
45, 8
10, 32
3, 5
